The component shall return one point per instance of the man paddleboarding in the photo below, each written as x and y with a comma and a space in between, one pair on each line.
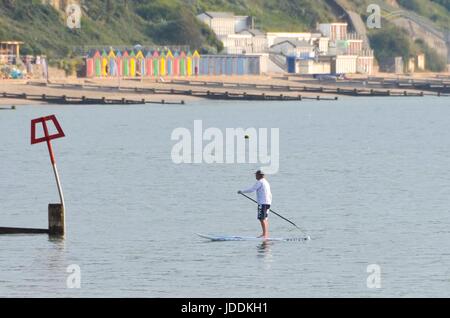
264, 199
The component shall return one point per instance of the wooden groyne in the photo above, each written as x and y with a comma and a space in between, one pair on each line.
222, 95
83, 100
16, 230
307, 89
8, 108
438, 86
55, 228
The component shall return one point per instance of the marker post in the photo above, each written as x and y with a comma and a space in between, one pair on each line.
56, 217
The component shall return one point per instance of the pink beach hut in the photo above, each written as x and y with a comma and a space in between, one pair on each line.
119, 64
89, 66
176, 64
148, 64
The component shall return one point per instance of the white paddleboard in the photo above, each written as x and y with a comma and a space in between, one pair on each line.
224, 238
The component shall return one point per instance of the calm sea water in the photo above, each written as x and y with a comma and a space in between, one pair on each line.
368, 178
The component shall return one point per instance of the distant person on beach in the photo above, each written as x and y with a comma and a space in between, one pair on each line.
264, 199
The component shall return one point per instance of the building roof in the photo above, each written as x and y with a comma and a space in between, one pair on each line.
254, 32
334, 23
215, 14
294, 43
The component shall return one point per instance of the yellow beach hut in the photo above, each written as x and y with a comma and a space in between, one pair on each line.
189, 64
196, 63
104, 64
132, 64
140, 64
162, 64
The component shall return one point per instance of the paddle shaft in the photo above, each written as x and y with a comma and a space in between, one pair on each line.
274, 213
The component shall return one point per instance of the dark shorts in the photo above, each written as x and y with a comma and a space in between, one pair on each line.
263, 210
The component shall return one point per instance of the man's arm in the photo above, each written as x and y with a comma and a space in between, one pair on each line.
252, 189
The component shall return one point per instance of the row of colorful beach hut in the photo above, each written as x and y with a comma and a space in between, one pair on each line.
129, 63
132, 64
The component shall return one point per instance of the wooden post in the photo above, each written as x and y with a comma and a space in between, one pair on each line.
56, 220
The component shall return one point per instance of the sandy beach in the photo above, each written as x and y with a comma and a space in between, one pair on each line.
111, 88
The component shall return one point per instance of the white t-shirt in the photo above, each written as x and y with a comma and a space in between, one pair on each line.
263, 193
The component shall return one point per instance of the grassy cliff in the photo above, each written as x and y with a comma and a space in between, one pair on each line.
129, 22
147, 22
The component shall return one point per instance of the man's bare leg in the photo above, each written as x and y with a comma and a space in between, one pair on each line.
265, 228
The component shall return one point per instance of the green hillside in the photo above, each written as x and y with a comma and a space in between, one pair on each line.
164, 22
128, 22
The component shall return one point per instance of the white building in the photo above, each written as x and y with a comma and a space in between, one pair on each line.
312, 67
243, 43
344, 64
225, 23
365, 62
303, 49
334, 31
421, 62
341, 64
275, 37
322, 44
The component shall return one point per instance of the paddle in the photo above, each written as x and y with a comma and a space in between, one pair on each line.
276, 214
